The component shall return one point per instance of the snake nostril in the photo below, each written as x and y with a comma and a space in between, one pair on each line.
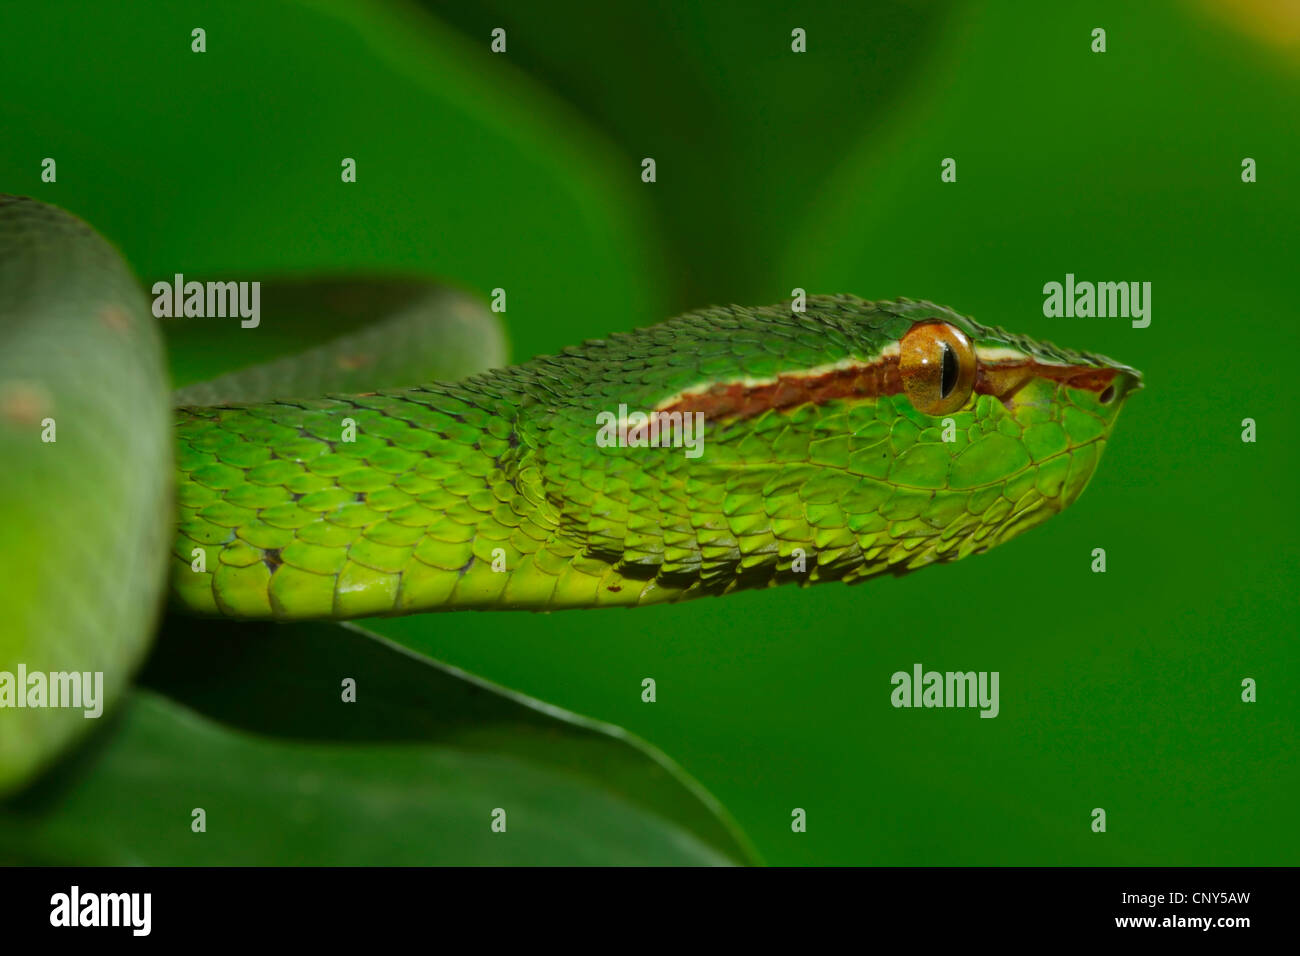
1108, 395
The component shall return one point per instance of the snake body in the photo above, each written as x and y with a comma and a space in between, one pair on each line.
495, 493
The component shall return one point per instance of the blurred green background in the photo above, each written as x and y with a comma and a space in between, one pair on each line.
819, 170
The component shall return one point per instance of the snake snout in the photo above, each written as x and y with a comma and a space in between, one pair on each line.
1125, 383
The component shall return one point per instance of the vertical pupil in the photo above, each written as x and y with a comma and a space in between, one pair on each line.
948, 377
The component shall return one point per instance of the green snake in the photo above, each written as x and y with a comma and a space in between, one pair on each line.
494, 492
841, 439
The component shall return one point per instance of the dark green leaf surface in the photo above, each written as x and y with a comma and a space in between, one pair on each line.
258, 736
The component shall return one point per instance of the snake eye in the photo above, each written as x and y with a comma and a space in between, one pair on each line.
937, 365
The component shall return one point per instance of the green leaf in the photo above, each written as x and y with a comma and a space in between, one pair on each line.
257, 734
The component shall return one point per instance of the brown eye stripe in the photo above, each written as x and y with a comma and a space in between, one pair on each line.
739, 400
1003, 378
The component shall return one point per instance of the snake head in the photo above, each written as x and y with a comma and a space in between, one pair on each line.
999, 430
883, 435
740, 447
